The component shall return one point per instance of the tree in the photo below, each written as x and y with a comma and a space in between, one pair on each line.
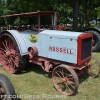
70, 11
88, 11
75, 15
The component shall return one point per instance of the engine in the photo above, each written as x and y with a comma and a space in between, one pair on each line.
66, 46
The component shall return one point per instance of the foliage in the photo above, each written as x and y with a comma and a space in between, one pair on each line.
98, 11
88, 11
68, 11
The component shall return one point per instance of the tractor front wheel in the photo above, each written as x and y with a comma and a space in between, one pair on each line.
65, 79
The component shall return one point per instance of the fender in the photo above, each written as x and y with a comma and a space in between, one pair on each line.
19, 39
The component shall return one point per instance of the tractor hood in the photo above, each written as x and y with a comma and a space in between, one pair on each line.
64, 46
61, 34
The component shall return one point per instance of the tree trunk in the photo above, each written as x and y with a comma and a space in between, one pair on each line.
75, 15
87, 18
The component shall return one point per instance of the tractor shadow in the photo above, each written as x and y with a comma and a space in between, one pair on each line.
83, 78
30, 67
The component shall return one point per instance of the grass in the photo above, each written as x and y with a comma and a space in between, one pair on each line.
35, 82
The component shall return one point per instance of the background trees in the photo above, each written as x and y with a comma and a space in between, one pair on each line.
83, 13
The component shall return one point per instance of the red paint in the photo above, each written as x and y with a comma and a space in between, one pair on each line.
61, 50
79, 42
71, 52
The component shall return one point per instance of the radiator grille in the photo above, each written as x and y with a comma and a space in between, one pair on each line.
86, 48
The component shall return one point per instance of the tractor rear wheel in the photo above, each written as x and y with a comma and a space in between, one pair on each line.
94, 67
65, 79
10, 57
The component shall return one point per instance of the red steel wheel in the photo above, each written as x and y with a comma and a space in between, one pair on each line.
65, 79
94, 67
10, 57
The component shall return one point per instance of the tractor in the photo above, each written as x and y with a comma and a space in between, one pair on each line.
65, 54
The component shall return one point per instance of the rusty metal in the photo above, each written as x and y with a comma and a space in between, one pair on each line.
32, 51
9, 55
48, 65
94, 67
65, 79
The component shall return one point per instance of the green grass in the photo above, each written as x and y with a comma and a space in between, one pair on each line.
34, 81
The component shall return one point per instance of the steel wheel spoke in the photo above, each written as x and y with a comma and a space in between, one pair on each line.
68, 88
4, 54
71, 84
2, 49
9, 43
4, 58
13, 62
58, 74
61, 72
9, 54
66, 80
4, 45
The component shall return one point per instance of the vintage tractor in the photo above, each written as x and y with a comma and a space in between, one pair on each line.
66, 54
7, 91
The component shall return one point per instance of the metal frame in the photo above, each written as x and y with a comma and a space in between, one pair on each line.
39, 14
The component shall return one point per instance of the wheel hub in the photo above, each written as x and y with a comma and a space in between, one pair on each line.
8, 53
64, 79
